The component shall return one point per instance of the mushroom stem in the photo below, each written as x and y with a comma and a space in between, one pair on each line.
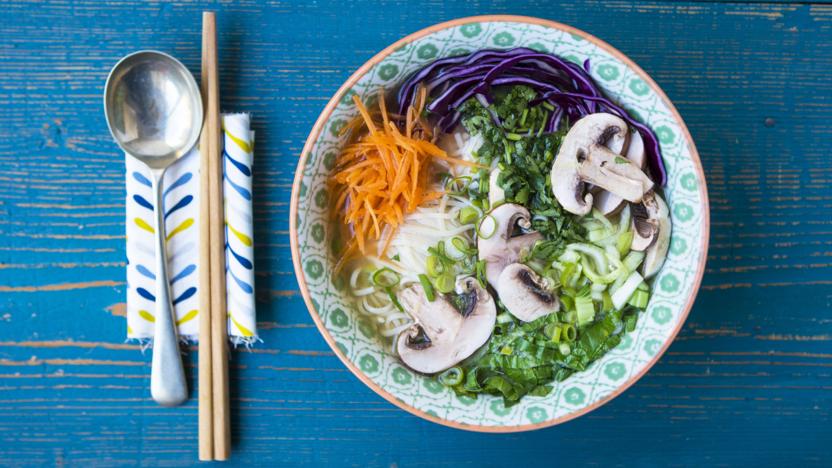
614, 173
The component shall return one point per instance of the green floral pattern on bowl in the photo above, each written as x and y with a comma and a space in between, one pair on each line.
371, 358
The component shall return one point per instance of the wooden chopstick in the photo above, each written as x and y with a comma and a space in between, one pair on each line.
207, 140
219, 332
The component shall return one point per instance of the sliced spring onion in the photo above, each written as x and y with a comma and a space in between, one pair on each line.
596, 214
523, 117
451, 377
598, 235
606, 301
567, 302
569, 332
434, 266
463, 246
480, 272
440, 250
639, 299
570, 274
623, 293
553, 331
458, 184
445, 283
487, 227
570, 256
624, 219
393, 298
565, 349
553, 278
602, 279
468, 215
612, 255
623, 241
585, 309
429, 293
598, 288
595, 253
633, 260
385, 278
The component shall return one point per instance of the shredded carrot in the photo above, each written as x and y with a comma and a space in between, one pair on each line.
383, 174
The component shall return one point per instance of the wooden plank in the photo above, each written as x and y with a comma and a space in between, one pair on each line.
747, 381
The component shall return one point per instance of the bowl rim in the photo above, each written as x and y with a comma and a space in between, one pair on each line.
327, 112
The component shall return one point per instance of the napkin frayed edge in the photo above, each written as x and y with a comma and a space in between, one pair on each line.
235, 341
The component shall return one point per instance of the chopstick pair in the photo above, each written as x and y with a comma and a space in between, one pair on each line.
214, 418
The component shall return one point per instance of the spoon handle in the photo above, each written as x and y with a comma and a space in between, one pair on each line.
167, 376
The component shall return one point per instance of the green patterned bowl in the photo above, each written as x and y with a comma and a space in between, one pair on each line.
351, 335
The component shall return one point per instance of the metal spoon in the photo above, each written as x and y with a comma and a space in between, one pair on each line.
154, 111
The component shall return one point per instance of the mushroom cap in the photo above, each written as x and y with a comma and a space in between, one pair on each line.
657, 252
442, 336
523, 293
583, 159
501, 249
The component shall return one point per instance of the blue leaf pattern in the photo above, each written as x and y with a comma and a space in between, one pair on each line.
185, 201
243, 192
181, 188
141, 201
243, 261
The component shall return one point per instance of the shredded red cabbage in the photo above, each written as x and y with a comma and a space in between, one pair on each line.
567, 86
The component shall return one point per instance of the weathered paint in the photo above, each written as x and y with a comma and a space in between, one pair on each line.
747, 381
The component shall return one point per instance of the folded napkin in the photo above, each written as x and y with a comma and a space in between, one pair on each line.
181, 192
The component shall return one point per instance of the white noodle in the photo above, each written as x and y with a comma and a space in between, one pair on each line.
423, 228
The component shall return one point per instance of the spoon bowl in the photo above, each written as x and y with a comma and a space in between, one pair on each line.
153, 107
154, 111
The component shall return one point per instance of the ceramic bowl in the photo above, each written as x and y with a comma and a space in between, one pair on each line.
352, 335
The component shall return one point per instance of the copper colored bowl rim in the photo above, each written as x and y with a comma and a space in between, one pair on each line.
327, 112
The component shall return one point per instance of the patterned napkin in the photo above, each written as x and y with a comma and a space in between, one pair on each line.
181, 186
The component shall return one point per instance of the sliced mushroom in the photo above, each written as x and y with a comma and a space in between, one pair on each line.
635, 151
645, 228
496, 194
500, 249
657, 252
524, 293
609, 203
617, 143
583, 159
442, 335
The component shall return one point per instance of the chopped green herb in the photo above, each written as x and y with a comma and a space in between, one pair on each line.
428, 287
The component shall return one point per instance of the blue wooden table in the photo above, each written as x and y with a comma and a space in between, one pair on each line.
748, 380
